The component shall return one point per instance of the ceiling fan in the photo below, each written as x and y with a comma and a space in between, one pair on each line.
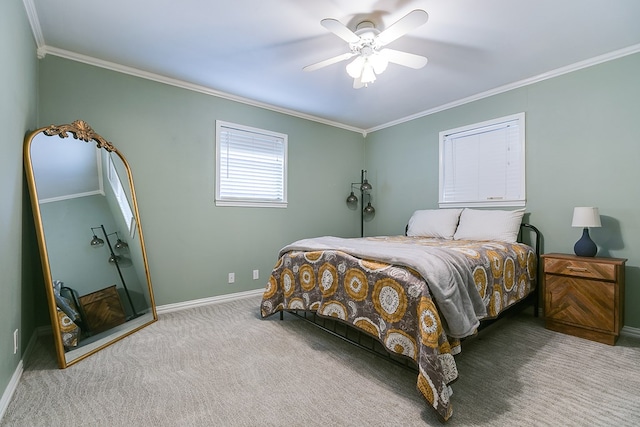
368, 43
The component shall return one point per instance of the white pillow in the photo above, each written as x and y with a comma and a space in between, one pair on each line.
477, 224
439, 223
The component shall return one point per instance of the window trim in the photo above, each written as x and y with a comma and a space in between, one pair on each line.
478, 128
239, 202
120, 195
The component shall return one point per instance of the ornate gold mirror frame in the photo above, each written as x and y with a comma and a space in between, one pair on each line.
90, 239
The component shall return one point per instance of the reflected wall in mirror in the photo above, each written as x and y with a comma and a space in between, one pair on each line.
91, 245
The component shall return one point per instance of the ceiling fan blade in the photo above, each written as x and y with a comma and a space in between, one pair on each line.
329, 61
411, 20
340, 30
403, 58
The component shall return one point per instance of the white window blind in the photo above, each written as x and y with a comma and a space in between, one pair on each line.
251, 166
483, 164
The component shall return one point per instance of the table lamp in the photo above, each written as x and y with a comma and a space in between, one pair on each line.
585, 217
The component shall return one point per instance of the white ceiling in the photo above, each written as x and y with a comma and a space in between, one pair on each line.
254, 50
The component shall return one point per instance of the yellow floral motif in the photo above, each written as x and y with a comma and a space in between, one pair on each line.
427, 389
327, 279
356, 284
496, 261
429, 323
522, 254
307, 277
509, 272
373, 265
368, 326
271, 289
333, 309
313, 256
481, 281
287, 281
400, 342
495, 304
532, 266
389, 299
296, 304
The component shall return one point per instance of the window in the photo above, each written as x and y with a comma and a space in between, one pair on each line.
121, 196
251, 166
483, 164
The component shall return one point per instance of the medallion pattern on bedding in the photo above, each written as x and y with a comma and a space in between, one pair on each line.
393, 303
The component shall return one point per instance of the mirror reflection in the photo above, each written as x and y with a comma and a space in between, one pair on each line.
91, 244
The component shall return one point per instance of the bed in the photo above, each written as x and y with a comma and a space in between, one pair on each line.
419, 294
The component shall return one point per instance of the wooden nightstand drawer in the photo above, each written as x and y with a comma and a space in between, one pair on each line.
581, 303
588, 269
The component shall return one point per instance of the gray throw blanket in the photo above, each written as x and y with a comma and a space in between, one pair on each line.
448, 273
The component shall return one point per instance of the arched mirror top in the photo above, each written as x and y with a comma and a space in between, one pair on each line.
80, 130
91, 244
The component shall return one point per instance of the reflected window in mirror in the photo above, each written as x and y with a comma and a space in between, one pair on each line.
120, 195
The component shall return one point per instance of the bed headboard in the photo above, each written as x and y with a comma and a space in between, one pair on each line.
537, 237
524, 228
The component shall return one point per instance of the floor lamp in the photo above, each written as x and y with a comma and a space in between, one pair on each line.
366, 212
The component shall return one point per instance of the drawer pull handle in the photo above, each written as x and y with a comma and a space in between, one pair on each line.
584, 270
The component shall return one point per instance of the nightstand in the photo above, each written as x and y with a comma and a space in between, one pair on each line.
103, 309
584, 296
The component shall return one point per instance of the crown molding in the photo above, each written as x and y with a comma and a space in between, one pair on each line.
185, 85
616, 54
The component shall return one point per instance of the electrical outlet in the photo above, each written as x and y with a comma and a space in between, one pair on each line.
15, 341
256, 274
232, 277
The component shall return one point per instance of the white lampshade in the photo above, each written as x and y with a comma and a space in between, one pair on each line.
378, 62
586, 217
354, 68
368, 75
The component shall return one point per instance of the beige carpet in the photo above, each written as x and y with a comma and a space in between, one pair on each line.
221, 365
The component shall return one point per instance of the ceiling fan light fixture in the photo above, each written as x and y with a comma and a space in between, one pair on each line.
354, 68
368, 74
378, 62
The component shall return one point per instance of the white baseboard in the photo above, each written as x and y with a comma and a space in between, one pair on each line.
11, 388
17, 374
630, 332
168, 308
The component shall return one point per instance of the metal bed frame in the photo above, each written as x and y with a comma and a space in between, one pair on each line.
371, 344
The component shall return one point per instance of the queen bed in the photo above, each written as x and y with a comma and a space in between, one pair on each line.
419, 294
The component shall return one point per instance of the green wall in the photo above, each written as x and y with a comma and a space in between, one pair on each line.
18, 98
168, 137
582, 148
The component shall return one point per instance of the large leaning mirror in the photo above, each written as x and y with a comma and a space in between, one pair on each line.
90, 239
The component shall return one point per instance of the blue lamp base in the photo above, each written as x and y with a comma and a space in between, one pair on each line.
585, 246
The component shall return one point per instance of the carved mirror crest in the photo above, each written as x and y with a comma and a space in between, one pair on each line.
91, 245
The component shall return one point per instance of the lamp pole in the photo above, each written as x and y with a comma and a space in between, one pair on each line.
115, 261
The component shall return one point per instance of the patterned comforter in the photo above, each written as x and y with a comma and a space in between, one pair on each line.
397, 302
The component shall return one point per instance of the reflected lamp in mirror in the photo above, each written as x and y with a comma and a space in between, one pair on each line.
96, 242
585, 217
367, 212
115, 260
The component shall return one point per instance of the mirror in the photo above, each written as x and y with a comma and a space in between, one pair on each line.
90, 239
